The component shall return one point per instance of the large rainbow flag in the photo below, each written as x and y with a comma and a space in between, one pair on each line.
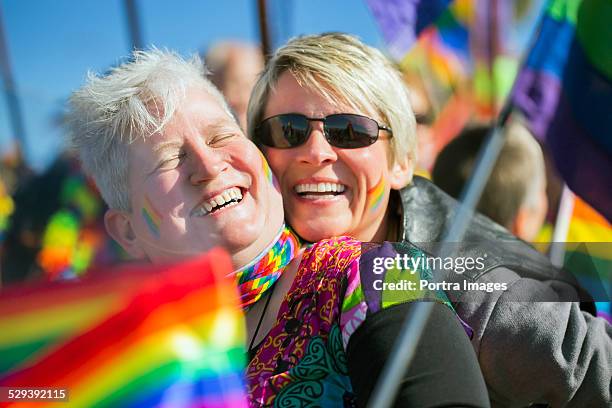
565, 91
174, 340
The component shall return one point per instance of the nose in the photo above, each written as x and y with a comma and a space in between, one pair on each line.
316, 150
207, 163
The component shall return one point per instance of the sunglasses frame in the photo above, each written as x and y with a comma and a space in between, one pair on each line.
373, 139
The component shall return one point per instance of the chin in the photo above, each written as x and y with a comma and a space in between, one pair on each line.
237, 239
314, 233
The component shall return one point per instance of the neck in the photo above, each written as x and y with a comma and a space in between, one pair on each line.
263, 271
381, 231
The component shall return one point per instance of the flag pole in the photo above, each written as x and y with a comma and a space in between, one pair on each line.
264, 31
404, 348
388, 382
133, 21
562, 225
10, 91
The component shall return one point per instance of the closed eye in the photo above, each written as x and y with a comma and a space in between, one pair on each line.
220, 140
171, 162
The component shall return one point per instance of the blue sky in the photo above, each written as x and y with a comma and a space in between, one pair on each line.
52, 44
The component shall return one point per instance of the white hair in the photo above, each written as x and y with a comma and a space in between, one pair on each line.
132, 101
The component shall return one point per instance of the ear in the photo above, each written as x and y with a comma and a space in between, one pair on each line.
119, 226
526, 224
401, 173
529, 220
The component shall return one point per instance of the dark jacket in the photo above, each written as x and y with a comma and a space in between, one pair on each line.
537, 341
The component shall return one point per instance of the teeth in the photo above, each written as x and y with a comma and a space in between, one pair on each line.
228, 195
319, 188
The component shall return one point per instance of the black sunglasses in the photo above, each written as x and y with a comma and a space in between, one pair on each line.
343, 130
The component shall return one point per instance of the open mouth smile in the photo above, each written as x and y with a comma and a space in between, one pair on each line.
228, 198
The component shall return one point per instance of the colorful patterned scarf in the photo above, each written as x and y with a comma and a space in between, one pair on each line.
258, 276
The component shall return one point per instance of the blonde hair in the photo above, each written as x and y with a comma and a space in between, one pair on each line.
517, 179
133, 100
343, 70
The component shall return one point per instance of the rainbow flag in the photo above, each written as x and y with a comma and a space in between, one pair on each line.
565, 91
444, 47
34, 318
177, 340
589, 256
402, 21
588, 253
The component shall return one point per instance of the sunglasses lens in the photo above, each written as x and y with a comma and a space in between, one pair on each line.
351, 131
283, 131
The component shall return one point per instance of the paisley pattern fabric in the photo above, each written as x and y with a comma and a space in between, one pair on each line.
302, 362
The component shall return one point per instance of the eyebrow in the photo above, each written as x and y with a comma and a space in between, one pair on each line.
166, 146
215, 128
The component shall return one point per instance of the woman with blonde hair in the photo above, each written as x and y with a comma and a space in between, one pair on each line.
333, 118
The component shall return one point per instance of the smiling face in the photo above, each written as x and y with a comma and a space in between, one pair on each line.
328, 191
196, 184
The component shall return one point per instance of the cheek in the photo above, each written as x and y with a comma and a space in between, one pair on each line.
166, 182
371, 174
375, 195
163, 204
267, 171
279, 161
367, 165
151, 216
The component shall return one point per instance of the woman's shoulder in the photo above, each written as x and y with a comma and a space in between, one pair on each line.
386, 274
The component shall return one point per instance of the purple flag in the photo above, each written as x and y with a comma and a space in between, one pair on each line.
401, 21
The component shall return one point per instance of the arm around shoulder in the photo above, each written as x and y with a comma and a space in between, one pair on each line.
443, 373
542, 351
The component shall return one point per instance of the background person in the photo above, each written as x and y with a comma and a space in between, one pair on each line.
515, 194
234, 66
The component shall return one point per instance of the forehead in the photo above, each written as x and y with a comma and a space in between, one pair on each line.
199, 114
288, 95
197, 111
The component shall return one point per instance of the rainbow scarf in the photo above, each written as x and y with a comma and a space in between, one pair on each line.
258, 276
175, 341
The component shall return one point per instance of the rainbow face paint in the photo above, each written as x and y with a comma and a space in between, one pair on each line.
268, 172
375, 195
151, 217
